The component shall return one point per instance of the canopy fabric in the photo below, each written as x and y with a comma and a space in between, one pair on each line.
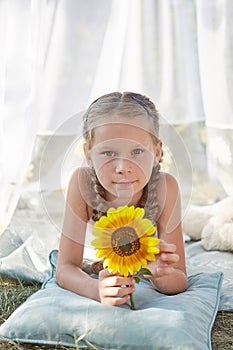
59, 55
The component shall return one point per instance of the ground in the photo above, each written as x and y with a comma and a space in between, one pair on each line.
12, 294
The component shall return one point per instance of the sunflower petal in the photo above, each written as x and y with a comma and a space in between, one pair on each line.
123, 237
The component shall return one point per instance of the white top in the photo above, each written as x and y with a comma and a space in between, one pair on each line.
89, 251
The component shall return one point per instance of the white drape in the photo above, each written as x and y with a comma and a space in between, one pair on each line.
59, 55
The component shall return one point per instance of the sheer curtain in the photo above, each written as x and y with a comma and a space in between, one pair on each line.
59, 55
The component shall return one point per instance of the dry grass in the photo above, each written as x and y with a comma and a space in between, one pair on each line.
12, 294
222, 332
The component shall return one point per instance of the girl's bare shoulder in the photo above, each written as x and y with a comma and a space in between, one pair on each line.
78, 192
167, 181
168, 191
80, 180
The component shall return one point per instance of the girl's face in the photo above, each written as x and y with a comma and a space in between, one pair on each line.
123, 156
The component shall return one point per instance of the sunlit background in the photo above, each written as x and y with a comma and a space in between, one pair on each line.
59, 55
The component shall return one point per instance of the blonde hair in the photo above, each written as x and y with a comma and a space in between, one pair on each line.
128, 105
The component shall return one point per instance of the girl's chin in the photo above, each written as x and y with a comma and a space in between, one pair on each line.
120, 202
122, 198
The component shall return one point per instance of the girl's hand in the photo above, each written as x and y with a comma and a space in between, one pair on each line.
114, 289
165, 261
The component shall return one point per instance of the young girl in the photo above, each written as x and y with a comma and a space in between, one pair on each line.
123, 152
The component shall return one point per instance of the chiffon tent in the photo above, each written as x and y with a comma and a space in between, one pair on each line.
57, 57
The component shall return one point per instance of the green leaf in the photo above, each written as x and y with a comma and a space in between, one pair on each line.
143, 271
137, 279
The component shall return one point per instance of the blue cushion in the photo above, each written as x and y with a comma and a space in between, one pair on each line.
56, 316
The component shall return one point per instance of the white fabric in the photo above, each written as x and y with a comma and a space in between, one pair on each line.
212, 224
214, 33
89, 251
58, 55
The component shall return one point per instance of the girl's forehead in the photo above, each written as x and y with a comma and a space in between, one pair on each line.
122, 131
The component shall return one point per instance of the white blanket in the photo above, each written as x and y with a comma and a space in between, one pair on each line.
35, 230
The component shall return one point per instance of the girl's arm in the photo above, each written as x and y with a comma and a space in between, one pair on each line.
69, 267
169, 270
108, 289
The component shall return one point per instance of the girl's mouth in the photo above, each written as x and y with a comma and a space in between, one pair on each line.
124, 183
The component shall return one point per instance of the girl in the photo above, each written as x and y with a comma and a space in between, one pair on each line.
123, 152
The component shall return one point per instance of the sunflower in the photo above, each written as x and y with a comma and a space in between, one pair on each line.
124, 239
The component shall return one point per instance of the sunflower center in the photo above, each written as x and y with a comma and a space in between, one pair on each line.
125, 241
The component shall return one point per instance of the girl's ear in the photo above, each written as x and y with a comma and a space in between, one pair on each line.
158, 151
87, 155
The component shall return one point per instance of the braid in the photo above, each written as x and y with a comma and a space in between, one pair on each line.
143, 199
97, 198
151, 206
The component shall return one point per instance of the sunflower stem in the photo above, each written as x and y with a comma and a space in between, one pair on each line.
132, 301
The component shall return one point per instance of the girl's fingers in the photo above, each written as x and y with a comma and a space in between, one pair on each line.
164, 264
117, 291
115, 280
170, 258
166, 247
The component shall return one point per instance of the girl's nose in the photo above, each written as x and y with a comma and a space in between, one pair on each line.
123, 166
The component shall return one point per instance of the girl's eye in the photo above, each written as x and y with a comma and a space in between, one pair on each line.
137, 151
108, 153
